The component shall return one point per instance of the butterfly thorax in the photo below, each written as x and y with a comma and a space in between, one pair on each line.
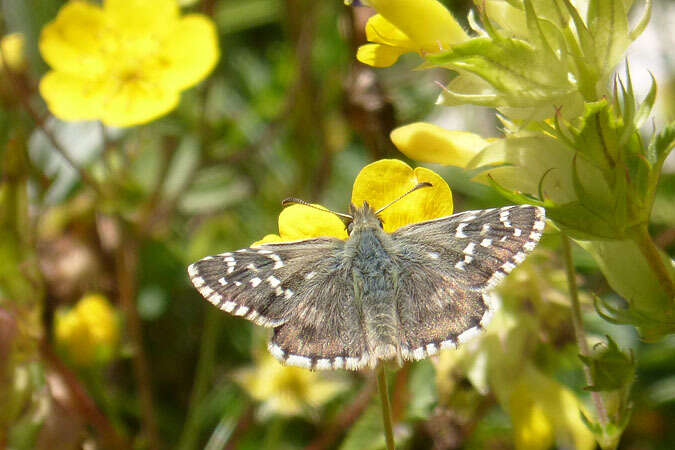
374, 272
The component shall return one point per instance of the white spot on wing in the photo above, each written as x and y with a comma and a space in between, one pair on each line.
241, 311
459, 233
485, 228
255, 281
273, 281
468, 335
288, 294
276, 351
192, 270
278, 264
300, 361
228, 306
198, 281
519, 257
310, 275
448, 344
433, 255
517, 232
419, 353
222, 281
486, 242
323, 364
338, 362
469, 248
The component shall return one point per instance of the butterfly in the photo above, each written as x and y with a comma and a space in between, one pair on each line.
376, 296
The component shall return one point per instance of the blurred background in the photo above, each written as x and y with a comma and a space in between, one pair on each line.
105, 344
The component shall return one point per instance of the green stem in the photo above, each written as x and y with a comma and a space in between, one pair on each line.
651, 253
207, 359
578, 324
386, 408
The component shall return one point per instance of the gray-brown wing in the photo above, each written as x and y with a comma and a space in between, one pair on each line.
449, 264
301, 289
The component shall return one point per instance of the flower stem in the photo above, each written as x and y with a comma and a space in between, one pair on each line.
653, 256
207, 360
386, 408
578, 324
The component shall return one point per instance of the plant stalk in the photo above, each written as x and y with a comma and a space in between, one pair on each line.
578, 324
386, 407
651, 253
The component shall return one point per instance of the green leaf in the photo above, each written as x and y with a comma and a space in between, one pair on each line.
525, 160
423, 393
611, 368
644, 20
368, 432
608, 24
521, 74
630, 275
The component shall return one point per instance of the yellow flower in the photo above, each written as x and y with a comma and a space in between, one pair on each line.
88, 334
543, 411
13, 52
402, 26
288, 390
124, 63
378, 183
431, 143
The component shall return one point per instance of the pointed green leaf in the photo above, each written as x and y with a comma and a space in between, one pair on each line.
608, 24
521, 75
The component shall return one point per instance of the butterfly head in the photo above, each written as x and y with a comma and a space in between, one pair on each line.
363, 218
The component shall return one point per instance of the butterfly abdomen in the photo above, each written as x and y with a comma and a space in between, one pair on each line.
375, 273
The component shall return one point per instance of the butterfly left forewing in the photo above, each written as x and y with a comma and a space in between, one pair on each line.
302, 289
259, 283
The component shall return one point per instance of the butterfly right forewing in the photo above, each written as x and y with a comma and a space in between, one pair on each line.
450, 264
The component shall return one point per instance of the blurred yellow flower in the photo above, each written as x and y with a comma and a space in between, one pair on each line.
288, 390
124, 63
430, 143
402, 26
544, 411
13, 52
378, 183
88, 334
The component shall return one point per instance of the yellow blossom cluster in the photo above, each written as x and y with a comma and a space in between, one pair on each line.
126, 62
88, 334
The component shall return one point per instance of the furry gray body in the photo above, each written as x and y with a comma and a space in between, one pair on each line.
376, 296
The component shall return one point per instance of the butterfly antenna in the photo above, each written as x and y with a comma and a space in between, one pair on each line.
419, 186
297, 201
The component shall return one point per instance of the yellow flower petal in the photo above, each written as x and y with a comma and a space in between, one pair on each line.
75, 41
190, 53
430, 143
381, 31
302, 222
137, 102
427, 22
70, 97
143, 17
13, 51
268, 238
383, 181
378, 55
